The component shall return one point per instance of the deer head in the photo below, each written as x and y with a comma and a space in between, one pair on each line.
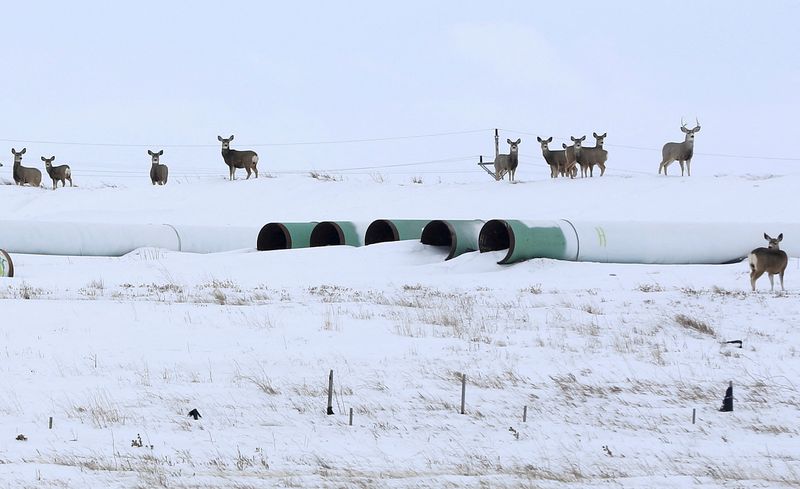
773, 242
690, 132
577, 142
545, 142
18, 155
155, 156
514, 145
48, 162
226, 143
599, 138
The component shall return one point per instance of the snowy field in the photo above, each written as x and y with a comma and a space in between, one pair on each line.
610, 360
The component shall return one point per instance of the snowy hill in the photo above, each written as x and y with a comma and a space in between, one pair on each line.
609, 361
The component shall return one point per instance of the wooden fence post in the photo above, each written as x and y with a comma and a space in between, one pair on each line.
463, 391
330, 394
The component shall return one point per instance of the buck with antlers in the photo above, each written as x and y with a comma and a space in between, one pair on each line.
771, 260
680, 151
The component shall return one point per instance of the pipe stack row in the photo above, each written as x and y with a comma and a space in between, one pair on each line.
562, 239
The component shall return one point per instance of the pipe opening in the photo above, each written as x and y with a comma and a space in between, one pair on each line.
327, 234
440, 233
6, 265
495, 235
273, 236
381, 231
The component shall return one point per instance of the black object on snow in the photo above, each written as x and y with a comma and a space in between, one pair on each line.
727, 401
195, 414
735, 342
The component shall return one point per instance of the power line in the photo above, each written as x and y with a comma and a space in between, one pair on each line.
292, 143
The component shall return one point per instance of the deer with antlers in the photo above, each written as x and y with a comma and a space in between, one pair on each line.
681, 152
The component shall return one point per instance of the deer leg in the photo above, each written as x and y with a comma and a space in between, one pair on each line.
754, 275
663, 166
689, 167
681, 162
781, 275
602, 169
247, 168
771, 282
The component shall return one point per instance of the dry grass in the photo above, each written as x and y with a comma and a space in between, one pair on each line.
694, 324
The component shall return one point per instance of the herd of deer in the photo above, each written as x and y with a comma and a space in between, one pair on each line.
566, 161
159, 173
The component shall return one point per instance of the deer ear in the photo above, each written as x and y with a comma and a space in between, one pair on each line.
538, 139
23, 151
594, 134
780, 237
696, 129
44, 159
219, 138
766, 236
149, 152
509, 141
550, 139
161, 152
564, 145
683, 129
584, 137
231, 138
604, 135
519, 140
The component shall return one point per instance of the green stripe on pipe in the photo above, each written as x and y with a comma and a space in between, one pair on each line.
459, 236
523, 241
383, 230
285, 235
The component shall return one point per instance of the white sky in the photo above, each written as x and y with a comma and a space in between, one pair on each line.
160, 73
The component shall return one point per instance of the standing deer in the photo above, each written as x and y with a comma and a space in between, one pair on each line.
507, 163
238, 159
573, 154
555, 159
158, 172
680, 151
593, 156
57, 173
24, 175
772, 260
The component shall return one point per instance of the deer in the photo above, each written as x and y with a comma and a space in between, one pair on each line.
59, 173
771, 260
591, 156
507, 163
680, 151
24, 175
238, 159
573, 154
555, 159
158, 172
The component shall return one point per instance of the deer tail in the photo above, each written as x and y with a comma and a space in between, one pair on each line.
752, 258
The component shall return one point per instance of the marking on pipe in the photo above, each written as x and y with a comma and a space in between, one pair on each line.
601, 236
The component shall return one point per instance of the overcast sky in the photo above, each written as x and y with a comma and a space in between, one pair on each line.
181, 73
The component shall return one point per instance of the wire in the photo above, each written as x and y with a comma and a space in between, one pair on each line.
294, 143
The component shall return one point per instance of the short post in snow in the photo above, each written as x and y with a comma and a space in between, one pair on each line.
463, 391
329, 411
351, 416
727, 401
50, 424
694, 414
525, 414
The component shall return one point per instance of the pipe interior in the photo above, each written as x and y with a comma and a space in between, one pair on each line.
273, 236
437, 233
380, 231
327, 234
494, 235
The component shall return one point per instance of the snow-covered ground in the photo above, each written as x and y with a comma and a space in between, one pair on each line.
610, 360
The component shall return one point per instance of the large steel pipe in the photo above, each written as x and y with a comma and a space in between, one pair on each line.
631, 242
457, 235
383, 230
285, 235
